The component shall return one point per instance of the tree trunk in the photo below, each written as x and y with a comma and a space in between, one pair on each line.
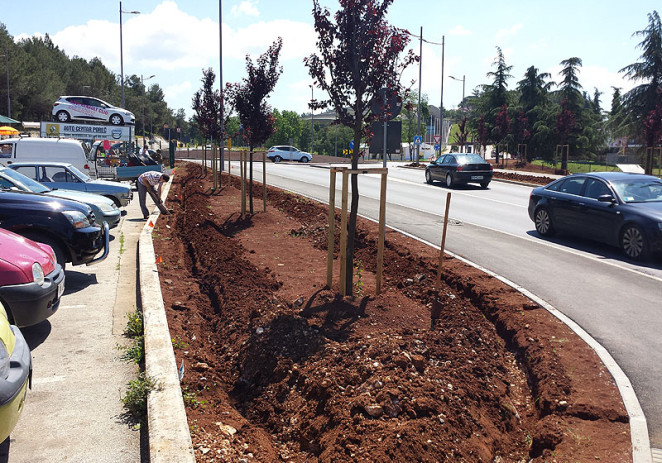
204, 156
354, 208
250, 182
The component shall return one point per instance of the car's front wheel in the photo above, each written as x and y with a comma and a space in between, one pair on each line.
60, 255
633, 242
428, 177
62, 116
116, 119
304, 159
543, 222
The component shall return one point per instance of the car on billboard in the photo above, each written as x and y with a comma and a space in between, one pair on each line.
87, 108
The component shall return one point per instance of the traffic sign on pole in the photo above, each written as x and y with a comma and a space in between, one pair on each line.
418, 140
436, 138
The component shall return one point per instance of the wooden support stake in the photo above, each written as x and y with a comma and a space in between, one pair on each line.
264, 179
332, 225
380, 245
213, 167
443, 240
343, 234
242, 173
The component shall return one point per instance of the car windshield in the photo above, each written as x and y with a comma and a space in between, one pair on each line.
27, 182
639, 190
470, 159
79, 174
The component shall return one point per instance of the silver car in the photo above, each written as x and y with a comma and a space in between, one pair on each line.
65, 176
288, 153
104, 208
87, 108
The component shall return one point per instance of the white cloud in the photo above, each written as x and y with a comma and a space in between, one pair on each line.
298, 39
502, 33
459, 30
20, 37
245, 8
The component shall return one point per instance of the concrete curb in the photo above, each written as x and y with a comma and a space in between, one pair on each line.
169, 436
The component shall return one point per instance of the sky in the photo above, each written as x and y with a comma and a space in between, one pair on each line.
175, 40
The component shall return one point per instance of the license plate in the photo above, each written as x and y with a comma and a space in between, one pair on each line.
476, 177
60, 289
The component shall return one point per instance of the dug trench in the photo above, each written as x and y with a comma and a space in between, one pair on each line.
278, 367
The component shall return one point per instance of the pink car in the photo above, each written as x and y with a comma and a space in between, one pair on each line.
31, 281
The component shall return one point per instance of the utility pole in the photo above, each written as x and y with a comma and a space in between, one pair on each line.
441, 104
418, 116
7, 67
312, 118
220, 81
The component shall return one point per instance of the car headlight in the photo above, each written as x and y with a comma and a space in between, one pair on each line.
107, 207
37, 273
77, 219
4, 360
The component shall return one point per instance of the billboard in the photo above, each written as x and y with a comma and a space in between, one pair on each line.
88, 131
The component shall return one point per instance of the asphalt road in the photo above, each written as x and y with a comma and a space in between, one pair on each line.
616, 301
73, 412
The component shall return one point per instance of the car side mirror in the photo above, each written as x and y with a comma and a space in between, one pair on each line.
607, 199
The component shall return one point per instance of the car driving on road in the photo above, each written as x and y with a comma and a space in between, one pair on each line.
87, 108
459, 169
616, 208
288, 153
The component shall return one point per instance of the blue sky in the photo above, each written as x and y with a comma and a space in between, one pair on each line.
175, 40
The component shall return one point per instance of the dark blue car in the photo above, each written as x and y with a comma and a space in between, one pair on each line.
459, 169
616, 208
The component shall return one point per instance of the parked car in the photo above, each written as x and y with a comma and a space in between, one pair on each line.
15, 374
288, 153
616, 208
74, 152
459, 169
105, 209
68, 108
65, 176
68, 227
31, 281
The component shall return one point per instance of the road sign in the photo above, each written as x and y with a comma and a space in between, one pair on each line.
436, 138
436, 147
351, 145
418, 139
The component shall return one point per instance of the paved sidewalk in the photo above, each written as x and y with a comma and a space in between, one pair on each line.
73, 412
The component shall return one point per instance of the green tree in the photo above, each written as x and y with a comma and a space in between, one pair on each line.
288, 128
645, 99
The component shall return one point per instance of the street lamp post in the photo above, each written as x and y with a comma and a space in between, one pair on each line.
463, 82
121, 50
144, 92
312, 118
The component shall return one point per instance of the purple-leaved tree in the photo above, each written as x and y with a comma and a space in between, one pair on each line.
255, 115
359, 54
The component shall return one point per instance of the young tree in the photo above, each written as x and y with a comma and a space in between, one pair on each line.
497, 101
255, 115
645, 99
359, 54
207, 107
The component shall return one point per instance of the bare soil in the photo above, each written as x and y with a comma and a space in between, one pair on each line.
280, 368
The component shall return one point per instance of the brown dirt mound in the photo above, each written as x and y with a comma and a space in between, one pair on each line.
279, 368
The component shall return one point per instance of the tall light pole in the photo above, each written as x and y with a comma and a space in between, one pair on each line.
418, 116
312, 118
121, 50
144, 92
8, 98
463, 80
441, 103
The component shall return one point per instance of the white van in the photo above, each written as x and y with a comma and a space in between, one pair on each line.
45, 149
